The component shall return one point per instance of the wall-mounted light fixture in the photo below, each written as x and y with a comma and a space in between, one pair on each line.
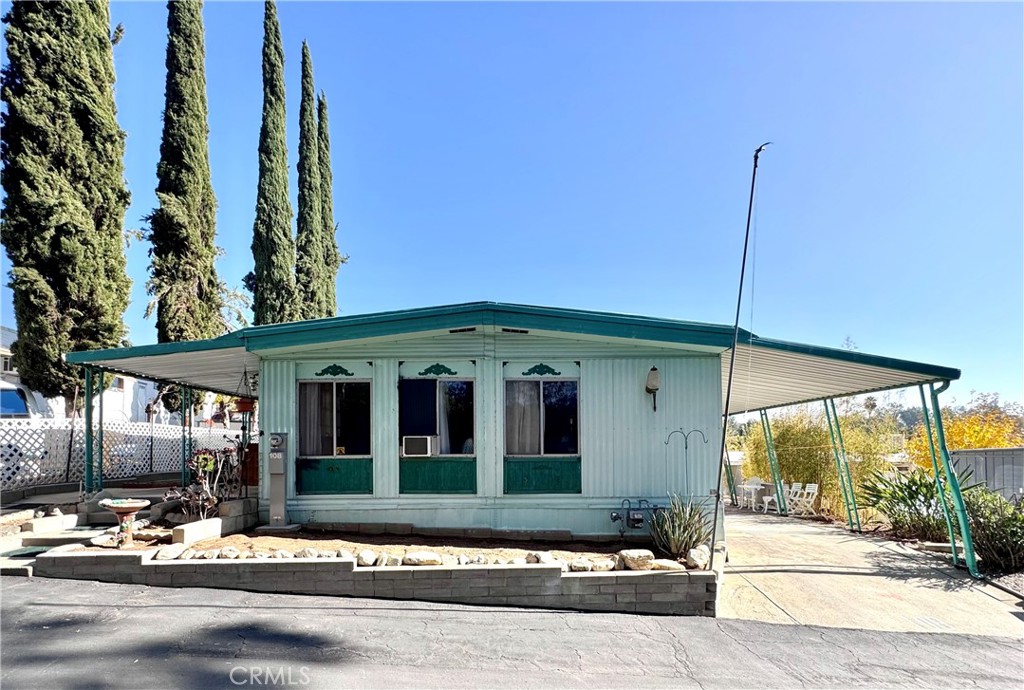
653, 385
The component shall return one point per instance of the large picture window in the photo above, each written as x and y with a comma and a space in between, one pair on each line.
334, 419
541, 417
438, 407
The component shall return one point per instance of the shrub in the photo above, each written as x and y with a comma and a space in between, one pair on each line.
910, 502
997, 528
680, 527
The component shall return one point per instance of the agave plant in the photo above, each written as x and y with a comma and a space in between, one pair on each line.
680, 527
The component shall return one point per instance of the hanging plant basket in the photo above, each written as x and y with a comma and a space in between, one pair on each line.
244, 405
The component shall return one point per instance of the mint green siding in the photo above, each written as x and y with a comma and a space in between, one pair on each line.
622, 439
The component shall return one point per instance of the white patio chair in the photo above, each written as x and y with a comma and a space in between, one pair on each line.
749, 490
803, 503
771, 499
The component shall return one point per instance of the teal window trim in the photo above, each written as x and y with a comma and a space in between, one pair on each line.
520, 478
444, 475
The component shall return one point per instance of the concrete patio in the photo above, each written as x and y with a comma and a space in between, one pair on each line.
793, 571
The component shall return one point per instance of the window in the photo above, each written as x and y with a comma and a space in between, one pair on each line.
6, 364
13, 403
334, 418
437, 407
542, 417
117, 384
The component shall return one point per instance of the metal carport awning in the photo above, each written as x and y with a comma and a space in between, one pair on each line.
221, 365
772, 373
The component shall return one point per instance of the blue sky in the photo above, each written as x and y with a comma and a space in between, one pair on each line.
598, 156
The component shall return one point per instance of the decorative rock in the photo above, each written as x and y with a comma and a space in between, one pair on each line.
421, 558
666, 564
245, 554
581, 565
39, 514
698, 557
542, 557
343, 553
603, 564
326, 554
517, 561
449, 560
308, 552
366, 558
479, 559
169, 552
393, 560
565, 566
281, 553
382, 559
229, 552
187, 554
620, 562
211, 554
637, 559
262, 554
463, 559
55, 511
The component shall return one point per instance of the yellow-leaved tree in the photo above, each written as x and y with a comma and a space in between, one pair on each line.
983, 423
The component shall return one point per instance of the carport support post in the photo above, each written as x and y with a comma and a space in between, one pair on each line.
88, 429
773, 463
99, 467
182, 408
954, 483
842, 465
939, 485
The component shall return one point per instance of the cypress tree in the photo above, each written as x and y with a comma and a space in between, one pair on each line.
272, 281
332, 258
184, 285
310, 272
63, 161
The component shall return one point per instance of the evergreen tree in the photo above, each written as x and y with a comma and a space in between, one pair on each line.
184, 285
63, 162
332, 258
272, 281
310, 272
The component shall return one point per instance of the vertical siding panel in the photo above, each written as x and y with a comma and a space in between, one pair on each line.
490, 442
277, 414
385, 427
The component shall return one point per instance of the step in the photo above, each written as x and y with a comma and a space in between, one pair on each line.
17, 567
71, 536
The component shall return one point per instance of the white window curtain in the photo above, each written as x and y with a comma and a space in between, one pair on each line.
445, 407
522, 417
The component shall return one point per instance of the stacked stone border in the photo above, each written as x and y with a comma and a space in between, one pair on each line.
692, 593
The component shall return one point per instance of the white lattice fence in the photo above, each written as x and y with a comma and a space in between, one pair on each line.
35, 452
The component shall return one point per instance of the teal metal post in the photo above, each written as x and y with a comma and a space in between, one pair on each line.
954, 483
99, 468
184, 419
773, 463
846, 466
730, 480
88, 430
843, 467
939, 484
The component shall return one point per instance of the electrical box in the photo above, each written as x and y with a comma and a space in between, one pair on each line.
278, 443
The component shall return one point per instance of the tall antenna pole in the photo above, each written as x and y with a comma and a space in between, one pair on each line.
732, 354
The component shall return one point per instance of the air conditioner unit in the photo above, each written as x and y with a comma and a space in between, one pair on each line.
417, 446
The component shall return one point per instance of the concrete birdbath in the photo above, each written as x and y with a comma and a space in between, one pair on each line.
125, 510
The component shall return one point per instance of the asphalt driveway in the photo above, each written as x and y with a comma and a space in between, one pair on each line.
792, 571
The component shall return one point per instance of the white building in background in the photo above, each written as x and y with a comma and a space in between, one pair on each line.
124, 399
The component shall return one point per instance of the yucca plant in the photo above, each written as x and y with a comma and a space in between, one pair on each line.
680, 527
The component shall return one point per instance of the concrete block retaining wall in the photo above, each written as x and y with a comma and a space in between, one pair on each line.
691, 593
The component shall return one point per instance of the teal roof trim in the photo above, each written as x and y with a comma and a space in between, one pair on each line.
486, 314
569, 321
